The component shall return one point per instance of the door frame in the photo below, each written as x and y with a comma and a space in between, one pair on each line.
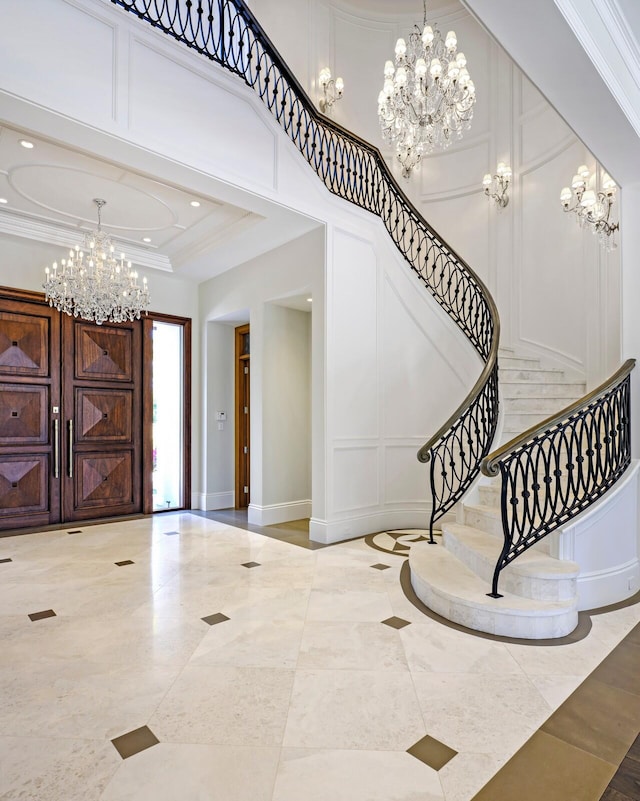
242, 466
38, 298
147, 409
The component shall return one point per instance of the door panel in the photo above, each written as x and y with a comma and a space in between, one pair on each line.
102, 403
103, 353
24, 484
24, 344
104, 415
24, 414
102, 480
29, 414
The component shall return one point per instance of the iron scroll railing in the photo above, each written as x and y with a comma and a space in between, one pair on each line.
558, 468
226, 32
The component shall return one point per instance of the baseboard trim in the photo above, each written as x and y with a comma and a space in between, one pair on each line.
332, 531
208, 502
274, 513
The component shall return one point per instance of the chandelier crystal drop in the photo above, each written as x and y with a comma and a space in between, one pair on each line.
592, 208
95, 284
428, 96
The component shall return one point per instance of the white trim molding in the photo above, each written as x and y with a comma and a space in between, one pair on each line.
274, 513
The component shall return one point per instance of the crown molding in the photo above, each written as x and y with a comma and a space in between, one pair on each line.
26, 228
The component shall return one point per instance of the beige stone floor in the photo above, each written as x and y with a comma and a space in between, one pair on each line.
295, 689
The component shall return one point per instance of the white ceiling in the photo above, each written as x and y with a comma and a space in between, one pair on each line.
50, 191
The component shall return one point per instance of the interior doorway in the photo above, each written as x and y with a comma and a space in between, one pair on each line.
242, 416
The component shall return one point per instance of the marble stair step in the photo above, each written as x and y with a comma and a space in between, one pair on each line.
533, 574
452, 590
519, 362
546, 405
533, 374
540, 389
519, 422
488, 518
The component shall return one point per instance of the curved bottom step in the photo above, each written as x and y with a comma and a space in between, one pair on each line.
452, 590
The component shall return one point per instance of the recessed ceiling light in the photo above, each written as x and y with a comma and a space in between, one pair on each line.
3, 200
146, 239
195, 204
27, 144
309, 300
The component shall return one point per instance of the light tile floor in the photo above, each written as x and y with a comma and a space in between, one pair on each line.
301, 694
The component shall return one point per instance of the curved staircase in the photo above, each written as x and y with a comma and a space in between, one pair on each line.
539, 592
549, 474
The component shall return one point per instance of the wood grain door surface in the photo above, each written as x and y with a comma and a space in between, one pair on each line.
102, 419
70, 417
29, 415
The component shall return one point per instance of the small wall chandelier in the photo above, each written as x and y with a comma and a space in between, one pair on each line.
496, 186
428, 96
94, 284
332, 90
591, 207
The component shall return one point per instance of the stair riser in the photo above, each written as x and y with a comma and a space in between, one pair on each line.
483, 521
545, 406
533, 375
539, 389
490, 495
495, 622
517, 423
515, 363
538, 589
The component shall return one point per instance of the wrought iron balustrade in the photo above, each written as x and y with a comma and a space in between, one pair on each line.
226, 32
558, 468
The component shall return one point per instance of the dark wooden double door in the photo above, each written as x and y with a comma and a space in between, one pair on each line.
70, 412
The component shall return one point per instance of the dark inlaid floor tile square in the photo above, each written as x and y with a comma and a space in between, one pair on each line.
75, 531
170, 533
569, 774
627, 778
396, 622
380, 566
597, 718
135, 741
251, 564
218, 617
432, 752
621, 668
42, 615
125, 562
4, 561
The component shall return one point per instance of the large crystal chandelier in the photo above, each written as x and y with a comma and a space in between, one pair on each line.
94, 284
428, 96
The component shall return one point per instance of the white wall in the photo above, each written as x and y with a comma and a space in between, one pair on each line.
558, 294
388, 366
286, 415
282, 355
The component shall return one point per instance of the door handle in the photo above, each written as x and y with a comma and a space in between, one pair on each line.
56, 448
70, 449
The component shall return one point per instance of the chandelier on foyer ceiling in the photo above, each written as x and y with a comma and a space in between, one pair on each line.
94, 284
428, 96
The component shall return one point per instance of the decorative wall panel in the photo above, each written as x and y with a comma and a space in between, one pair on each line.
23, 345
23, 414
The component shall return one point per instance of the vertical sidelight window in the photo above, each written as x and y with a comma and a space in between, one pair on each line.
167, 459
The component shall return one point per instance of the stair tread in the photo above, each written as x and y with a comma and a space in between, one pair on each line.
448, 576
530, 563
483, 508
566, 382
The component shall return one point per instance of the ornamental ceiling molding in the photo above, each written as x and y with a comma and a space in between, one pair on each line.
604, 33
16, 225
